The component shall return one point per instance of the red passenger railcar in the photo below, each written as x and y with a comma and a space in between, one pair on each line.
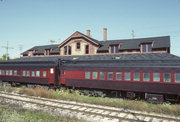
153, 79
31, 71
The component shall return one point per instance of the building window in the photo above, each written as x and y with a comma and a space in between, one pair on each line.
78, 45
44, 73
102, 75
177, 78
156, 77
65, 50
114, 48
167, 77
94, 75
38, 73
69, 50
146, 47
118, 75
143, 46
47, 52
136, 76
127, 76
87, 49
146, 77
149, 47
110, 75
87, 75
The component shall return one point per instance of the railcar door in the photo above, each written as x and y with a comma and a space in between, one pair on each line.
62, 77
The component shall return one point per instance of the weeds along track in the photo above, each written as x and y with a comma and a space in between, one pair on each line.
99, 112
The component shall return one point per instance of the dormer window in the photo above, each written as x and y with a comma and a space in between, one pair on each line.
146, 47
47, 52
78, 45
114, 48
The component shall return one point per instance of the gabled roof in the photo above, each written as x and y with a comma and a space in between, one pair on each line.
77, 34
158, 42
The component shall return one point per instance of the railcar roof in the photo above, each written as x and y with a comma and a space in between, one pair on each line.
138, 56
125, 63
151, 59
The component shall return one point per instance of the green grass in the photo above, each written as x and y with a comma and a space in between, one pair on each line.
166, 108
21, 115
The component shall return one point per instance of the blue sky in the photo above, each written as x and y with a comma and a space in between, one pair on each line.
35, 22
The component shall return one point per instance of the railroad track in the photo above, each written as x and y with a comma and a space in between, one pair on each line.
113, 114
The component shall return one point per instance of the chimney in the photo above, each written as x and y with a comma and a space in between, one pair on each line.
104, 34
88, 32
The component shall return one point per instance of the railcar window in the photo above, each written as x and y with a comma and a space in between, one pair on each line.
87, 75
102, 75
94, 75
27, 73
7, 72
156, 77
33, 73
110, 75
146, 77
177, 78
44, 73
167, 77
136, 76
38, 73
10, 72
118, 75
18, 72
0, 72
127, 76
15, 72
24, 73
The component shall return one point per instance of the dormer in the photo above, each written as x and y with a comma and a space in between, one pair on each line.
47, 52
146, 47
114, 48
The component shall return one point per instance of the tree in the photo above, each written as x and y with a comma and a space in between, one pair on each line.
4, 57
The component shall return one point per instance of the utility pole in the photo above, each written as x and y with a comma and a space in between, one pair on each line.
20, 49
7, 50
133, 34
